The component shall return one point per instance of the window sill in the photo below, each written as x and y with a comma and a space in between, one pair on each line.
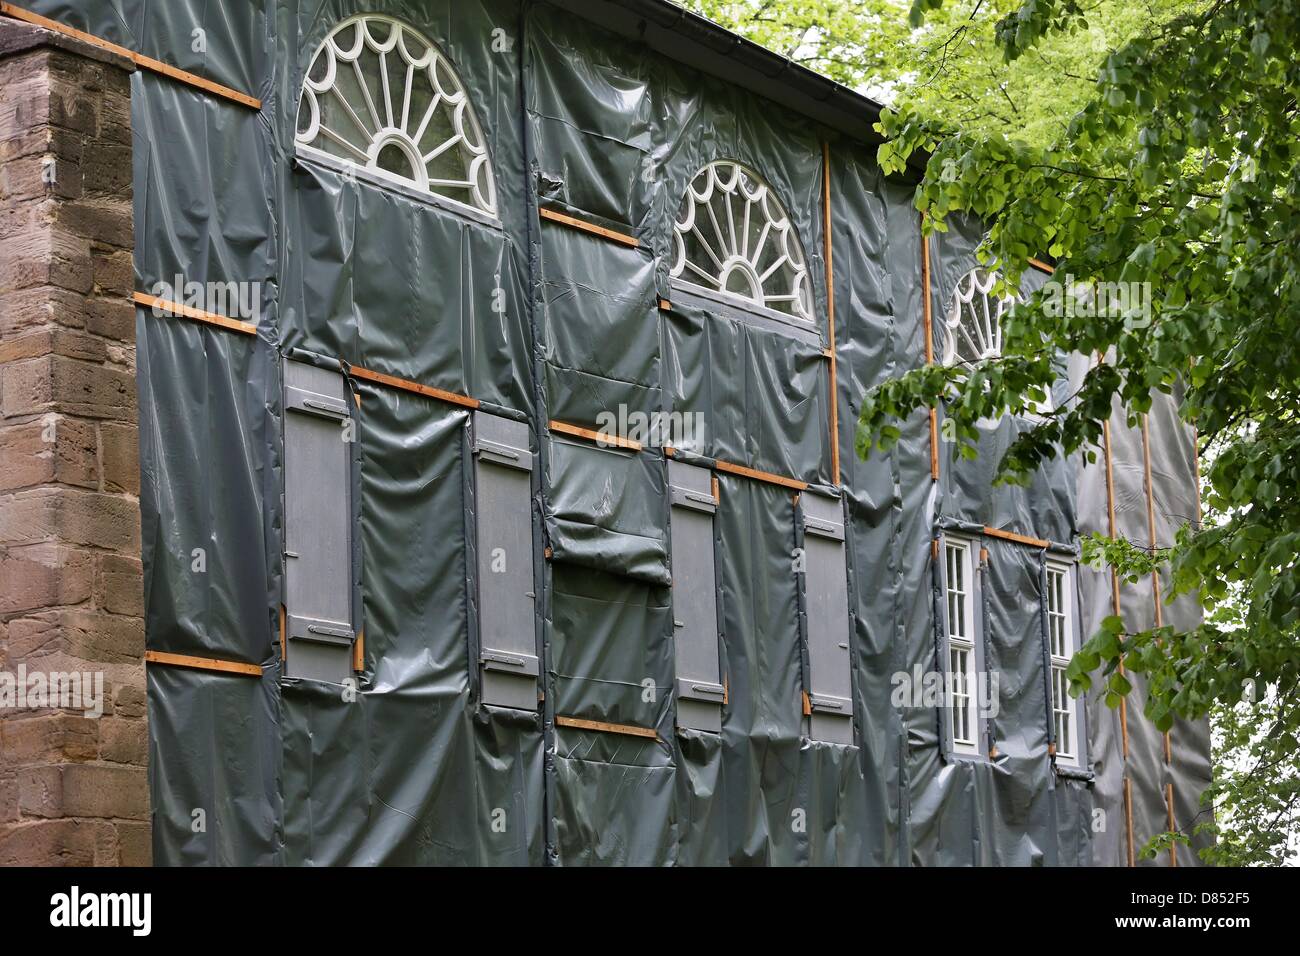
964, 756
1074, 773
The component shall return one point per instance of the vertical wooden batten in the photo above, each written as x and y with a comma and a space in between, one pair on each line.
828, 254
929, 346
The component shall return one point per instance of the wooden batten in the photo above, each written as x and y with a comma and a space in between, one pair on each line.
203, 663
604, 727
139, 59
582, 225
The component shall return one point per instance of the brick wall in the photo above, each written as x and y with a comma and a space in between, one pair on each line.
73, 788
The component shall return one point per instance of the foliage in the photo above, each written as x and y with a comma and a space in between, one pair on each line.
1255, 791
951, 67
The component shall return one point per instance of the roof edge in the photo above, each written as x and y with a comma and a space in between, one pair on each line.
695, 41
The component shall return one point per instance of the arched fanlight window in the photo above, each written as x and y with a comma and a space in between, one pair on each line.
733, 236
380, 96
972, 328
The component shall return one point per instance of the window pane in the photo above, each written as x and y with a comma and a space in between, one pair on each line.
397, 109
733, 235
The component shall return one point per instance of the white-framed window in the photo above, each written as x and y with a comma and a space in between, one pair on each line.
963, 686
972, 326
971, 331
1062, 635
733, 238
381, 97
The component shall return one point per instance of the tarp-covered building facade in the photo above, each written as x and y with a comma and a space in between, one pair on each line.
523, 486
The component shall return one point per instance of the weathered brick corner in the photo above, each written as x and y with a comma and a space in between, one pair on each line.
73, 788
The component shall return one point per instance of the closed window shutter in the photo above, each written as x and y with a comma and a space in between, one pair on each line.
830, 690
504, 540
318, 523
695, 598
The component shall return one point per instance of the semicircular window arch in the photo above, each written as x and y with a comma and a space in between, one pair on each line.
972, 326
381, 96
971, 331
733, 237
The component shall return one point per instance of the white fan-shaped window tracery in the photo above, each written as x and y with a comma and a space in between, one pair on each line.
972, 327
733, 236
381, 96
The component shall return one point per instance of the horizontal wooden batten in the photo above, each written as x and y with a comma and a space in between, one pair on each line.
617, 441
1017, 538
178, 310
757, 475
743, 472
139, 59
1040, 264
604, 727
406, 385
573, 222
203, 663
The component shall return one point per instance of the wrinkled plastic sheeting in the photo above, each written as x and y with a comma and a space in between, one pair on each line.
234, 49
611, 648
210, 577
622, 155
223, 203
789, 800
214, 227
451, 310
1020, 773
600, 326
410, 772
1171, 447
759, 395
759, 793
597, 775
1104, 730
560, 325
1145, 763
214, 760
607, 511
877, 250
480, 39
448, 312
596, 150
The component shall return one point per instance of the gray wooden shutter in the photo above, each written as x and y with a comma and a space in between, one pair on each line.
318, 525
830, 691
695, 598
503, 501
